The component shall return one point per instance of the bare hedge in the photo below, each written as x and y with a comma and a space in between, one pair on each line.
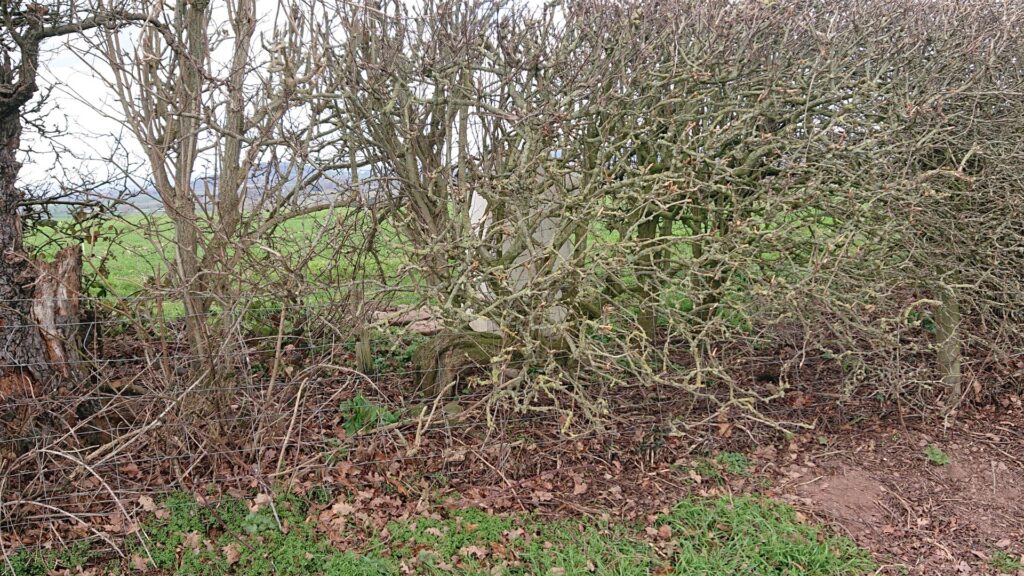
622, 191
591, 193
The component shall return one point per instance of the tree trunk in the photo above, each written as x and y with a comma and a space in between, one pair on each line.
22, 354
647, 233
947, 338
38, 310
57, 314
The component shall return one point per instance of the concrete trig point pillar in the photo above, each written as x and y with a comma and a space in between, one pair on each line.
522, 270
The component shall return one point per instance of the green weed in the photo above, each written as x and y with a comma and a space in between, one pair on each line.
44, 562
1005, 563
936, 456
359, 414
707, 470
734, 463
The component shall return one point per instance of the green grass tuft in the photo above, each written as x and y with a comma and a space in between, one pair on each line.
936, 456
1005, 563
476, 543
756, 537
191, 541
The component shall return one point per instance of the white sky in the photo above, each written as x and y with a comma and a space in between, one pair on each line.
87, 133
86, 111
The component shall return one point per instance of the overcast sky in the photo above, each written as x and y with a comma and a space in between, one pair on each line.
86, 111
86, 132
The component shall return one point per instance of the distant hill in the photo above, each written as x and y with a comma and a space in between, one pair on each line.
332, 185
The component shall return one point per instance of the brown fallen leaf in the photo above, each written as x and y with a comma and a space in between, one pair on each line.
139, 563
131, 469
260, 501
473, 551
342, 508
579, 488
232, 553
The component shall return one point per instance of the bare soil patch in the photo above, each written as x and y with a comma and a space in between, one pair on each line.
917, 516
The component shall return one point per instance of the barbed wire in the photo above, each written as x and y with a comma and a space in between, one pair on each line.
264, 415
290, 350
304, 303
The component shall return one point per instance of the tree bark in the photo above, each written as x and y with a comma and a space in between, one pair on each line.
24, 370
947, 337
38, 302
39, 310
23, 353
56, 311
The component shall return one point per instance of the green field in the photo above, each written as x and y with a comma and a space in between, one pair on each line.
132, 255
315, 257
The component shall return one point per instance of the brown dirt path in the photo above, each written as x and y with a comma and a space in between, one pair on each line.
916, 516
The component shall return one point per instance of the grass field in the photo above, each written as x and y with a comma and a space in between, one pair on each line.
314, 257
134, 253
